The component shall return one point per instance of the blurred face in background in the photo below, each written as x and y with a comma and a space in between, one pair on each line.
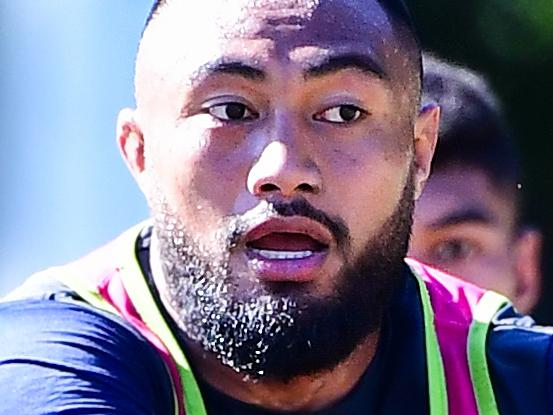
466, 226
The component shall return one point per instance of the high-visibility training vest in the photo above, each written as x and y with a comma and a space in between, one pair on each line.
457, 316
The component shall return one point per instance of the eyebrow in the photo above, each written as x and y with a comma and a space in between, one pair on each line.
247, 70
333, 64
471, 215
253, 72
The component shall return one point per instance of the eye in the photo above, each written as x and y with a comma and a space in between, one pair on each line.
454, 250
341, 114
232, 111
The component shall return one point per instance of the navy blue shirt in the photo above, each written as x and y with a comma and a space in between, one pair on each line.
58, 355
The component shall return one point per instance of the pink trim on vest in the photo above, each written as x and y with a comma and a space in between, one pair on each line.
98, 269
114, 292
453, 301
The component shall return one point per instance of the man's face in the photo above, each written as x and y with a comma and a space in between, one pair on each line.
279, 153
465, 226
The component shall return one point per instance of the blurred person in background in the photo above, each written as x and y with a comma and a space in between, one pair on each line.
469, 220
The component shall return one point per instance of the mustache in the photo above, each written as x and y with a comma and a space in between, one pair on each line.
240, 224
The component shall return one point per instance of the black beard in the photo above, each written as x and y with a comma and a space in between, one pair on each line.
278, 331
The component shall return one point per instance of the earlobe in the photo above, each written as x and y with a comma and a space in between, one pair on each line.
426, 137
130, 142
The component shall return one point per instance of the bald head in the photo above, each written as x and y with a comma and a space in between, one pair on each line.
396, 8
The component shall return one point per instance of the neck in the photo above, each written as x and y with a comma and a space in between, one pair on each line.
303, 393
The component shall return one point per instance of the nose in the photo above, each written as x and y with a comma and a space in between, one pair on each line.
282, 170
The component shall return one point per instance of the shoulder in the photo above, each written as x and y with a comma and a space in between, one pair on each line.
56, 355
519, 352
40, 286
520, 359
92, 268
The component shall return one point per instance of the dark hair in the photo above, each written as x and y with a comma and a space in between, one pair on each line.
473, 131
401, 15
153, 11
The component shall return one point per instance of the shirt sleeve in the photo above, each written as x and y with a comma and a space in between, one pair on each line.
521, 364
68, 358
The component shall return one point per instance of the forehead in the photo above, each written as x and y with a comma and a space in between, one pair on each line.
246, 18
461, 191
181, 37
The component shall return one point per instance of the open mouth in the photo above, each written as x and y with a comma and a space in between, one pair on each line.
286, 245
288, 249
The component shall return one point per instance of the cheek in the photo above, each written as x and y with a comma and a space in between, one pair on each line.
366, 183
492, 273
201, 170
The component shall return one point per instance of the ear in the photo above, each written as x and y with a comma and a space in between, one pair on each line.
426, 136
528, 250
131, 144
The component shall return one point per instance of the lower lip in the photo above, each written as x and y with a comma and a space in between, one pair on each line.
287, 270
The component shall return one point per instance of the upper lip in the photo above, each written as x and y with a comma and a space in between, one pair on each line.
292, 224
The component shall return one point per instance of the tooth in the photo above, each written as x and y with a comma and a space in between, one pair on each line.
270, 254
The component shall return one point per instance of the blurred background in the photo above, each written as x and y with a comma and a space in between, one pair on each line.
66, 69
511, 43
